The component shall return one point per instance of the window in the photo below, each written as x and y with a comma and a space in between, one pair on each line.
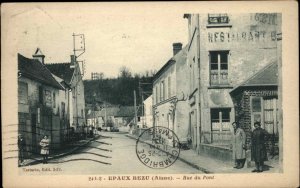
157, 94
218, 19
220, 125
54, 100
63, 109
256, 110
23, 93
270, 106
82, 113
265, 111
219, 67
41, 96
169, 87
48, 98
162, 91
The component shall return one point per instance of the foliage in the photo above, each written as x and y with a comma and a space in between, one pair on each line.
117, 91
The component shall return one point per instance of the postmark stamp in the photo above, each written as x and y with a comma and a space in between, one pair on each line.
158, 147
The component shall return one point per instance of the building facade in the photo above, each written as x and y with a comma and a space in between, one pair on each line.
71, 74
223, 51
40, 97
256, 100
170, 91
147, 118
113, 116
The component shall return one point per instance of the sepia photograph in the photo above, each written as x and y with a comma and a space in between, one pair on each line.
133, 94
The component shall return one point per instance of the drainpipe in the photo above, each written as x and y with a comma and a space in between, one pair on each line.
199, 78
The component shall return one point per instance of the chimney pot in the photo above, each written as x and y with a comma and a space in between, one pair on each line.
73, 60
38, 55
177, 47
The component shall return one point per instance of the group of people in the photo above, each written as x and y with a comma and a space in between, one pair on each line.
258, 149
44, 144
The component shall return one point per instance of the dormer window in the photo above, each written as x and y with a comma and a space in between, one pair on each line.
218, 19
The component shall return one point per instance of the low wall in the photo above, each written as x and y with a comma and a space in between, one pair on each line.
217, 152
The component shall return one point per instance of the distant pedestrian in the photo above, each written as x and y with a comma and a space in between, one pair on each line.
22, 148
45, 144
85, 131
258, 149
238, 146
91, 132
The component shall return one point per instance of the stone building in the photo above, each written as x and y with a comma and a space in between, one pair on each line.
40, 99
256, 100
170, 91
223, 51
71, 74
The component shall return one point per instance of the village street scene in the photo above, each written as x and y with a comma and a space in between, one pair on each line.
218, 93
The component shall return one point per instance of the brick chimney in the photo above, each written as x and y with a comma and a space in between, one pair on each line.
177, 47
39, 56
73, 61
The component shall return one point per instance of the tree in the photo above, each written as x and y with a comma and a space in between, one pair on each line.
124, 72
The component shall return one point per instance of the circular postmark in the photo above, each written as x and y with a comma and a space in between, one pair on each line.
157, 147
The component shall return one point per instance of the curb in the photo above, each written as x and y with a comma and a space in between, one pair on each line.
62, 154
180, 158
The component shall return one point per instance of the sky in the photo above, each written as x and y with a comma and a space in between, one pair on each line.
139, 37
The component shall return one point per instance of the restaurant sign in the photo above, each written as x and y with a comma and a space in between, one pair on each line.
255, 36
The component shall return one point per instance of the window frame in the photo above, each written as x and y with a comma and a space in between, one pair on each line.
22, 99
253, 114
54, 99
222, 135
48, 97
220, 72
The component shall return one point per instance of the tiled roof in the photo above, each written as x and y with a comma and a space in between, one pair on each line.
34, 69
62, 70
268, 76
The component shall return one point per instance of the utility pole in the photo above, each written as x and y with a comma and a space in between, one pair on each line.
81, 48
135, 113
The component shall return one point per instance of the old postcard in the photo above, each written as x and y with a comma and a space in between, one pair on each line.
183, 94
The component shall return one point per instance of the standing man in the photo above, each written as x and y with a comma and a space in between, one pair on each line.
22, 147
258, 149
238, 146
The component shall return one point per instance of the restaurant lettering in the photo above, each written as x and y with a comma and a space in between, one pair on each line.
241, 36
264, 18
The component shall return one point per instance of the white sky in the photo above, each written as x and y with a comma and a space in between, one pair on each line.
139, 37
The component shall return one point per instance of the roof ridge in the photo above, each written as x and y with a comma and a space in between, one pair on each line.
58, 63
